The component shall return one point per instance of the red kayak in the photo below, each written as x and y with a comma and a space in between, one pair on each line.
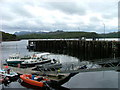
27, 78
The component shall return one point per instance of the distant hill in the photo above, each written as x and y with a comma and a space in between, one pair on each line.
58, 35
27, 32
64, 35
8, 37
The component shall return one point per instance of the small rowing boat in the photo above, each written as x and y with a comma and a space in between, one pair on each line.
7, 73
37, 81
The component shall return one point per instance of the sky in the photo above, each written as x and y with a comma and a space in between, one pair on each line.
52, 15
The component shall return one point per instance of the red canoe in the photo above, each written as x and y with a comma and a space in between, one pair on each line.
28, 79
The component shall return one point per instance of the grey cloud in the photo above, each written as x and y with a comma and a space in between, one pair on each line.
95, 19
20, 10
41, 26
21, 25
108, 10
7, 16
14, 10
101, 6
67, 7
53, 27
6, 13
109, 16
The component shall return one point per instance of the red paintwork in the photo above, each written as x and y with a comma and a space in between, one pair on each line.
27, 79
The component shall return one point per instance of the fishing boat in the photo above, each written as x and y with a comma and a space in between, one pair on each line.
36, 59
15, 59
37, 81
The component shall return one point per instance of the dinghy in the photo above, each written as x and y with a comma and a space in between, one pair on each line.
7, 73
37, 81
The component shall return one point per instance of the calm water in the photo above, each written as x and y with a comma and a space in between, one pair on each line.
107, 79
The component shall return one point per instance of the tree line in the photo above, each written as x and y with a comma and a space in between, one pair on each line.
8, 37
65, 35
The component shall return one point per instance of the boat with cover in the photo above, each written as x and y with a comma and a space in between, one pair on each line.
53, 65
37, 81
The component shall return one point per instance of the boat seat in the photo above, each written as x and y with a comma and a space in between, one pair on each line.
40, 79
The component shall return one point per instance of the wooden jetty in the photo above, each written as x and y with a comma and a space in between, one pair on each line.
83, 49
54, 75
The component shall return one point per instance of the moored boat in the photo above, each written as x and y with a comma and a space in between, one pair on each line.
53, 65
27, 78
7, 73
40, 81
36, 59
15, 59
28, 61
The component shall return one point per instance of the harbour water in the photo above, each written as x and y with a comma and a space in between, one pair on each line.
103, 79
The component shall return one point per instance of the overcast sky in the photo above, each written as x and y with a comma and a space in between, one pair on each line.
52, 15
